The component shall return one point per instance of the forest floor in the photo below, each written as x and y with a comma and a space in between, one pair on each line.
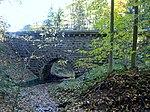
19, 90
96, 91
119, 92
32, 99
36, 99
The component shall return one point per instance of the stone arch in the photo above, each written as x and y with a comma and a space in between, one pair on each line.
48, 76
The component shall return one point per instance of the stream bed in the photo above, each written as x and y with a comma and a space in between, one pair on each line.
36, 99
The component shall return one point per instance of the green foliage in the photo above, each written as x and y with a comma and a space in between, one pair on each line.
1, 69
78, 15
1, 48
6, 84
79, 85
100, 11
87, 79
8, 92
54, 20
143, 49
69, 91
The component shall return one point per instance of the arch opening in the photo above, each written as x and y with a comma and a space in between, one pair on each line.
58, 69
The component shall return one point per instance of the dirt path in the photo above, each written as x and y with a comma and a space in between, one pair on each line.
36, 99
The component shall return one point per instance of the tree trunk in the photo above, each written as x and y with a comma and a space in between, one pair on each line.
135, 35
111, 61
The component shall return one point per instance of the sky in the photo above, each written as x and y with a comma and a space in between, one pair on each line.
29, 11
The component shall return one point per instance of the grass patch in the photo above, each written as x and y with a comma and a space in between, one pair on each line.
89, 77
86, 79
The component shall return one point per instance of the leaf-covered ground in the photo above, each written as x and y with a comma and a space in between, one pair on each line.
95, 91
128, 91
18, 90
36, 99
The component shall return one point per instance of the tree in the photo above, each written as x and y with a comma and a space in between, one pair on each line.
4, 25
135, 35
58, 19
1, 25
122, 26
54, 20
27, 27
77, 13
49, 22
123, 30
144, 15
111, 60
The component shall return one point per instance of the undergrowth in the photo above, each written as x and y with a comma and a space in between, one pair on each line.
68, 91
9, 66
96, 90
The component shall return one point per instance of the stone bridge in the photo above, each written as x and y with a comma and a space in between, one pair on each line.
41, 49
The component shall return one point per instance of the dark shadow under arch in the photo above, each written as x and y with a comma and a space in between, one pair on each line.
47, 68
